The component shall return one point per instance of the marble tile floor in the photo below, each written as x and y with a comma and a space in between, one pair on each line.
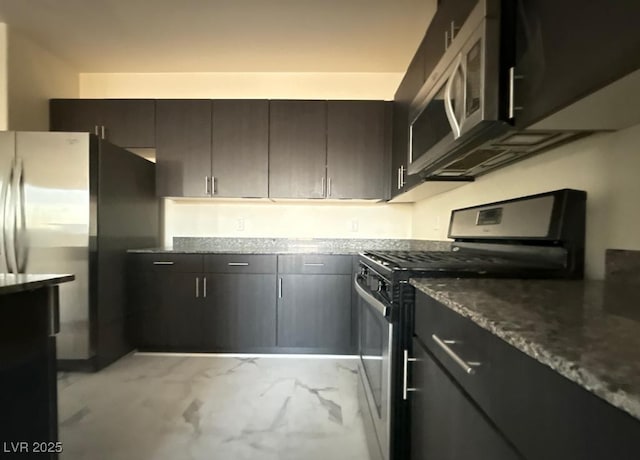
173, 407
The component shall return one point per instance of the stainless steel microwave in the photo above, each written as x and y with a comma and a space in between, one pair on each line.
461, 121
460, 100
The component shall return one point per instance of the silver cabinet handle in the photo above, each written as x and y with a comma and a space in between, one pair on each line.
405, 372
398, 180
512, 78
329, 187
468, 367
280, 288
238, 264
206, 185
197, 287
446, 40
454, 30
214, 189
96, 130
313, 264
204, 287
322, 186
102, 131
161, 262
402, 171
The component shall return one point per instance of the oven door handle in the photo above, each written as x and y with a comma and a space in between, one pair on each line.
381, 308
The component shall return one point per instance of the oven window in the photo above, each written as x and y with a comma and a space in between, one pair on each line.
431, 126
373, 339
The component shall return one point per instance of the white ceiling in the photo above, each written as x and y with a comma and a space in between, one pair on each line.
225, 35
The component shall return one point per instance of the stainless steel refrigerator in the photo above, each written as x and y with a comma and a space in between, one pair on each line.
72, 203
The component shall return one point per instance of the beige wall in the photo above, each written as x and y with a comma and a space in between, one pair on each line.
606, 166
229, 85
286, 220
34, 76
4, 102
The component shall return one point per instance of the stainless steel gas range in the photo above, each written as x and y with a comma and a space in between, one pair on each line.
537, 236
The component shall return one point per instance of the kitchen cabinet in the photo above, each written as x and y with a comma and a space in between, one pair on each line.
190, 302
240, 149
314, 302
165, 307
128, 123
542, 414
445, 423
183, 147
240, 302
558, 68
357, 151
297, 149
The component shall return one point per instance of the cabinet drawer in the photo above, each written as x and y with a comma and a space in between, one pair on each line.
315, 263
166, 262
240, 263
545, 415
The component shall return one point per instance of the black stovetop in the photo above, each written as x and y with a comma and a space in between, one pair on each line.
450, 263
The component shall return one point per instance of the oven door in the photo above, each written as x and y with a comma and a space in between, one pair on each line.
376, 332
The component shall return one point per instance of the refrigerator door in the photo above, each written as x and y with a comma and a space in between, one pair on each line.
53, 217
7, 156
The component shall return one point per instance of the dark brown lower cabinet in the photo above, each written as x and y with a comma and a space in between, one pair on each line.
445, 423
239, 312
313, 312
183, 307
148, 318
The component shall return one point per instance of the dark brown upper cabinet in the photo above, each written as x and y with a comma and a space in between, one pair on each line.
183, 147
567, 50
128, 123
357, 151
240, 149
297, 149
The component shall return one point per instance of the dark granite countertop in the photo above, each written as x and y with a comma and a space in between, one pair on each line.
193, 245
10, 283
588, 331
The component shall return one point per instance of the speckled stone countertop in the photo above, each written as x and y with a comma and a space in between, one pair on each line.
293, 245
588, 331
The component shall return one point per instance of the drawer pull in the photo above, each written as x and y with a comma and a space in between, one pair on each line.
468, 367
312, 264
160, 262
406, 361
204, 287
238, 264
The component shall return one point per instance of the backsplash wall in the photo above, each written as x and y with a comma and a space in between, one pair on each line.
605, 165
211, 218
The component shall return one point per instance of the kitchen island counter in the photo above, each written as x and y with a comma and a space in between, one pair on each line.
12, 283
587, 331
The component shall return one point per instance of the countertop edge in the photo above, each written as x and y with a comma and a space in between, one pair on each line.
28, 282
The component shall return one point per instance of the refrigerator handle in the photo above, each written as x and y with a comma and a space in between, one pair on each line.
5, 203
8, 215
21, 244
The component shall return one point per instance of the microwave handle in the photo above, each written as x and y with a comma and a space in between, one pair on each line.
448, 104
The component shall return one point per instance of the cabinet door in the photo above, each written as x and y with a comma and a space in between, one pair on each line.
297, 149
129, 122
240, 312
314, 311
182, 300
357, 159
240, 136
149, 317
445, 423
75, 115
559, 68
183, 147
